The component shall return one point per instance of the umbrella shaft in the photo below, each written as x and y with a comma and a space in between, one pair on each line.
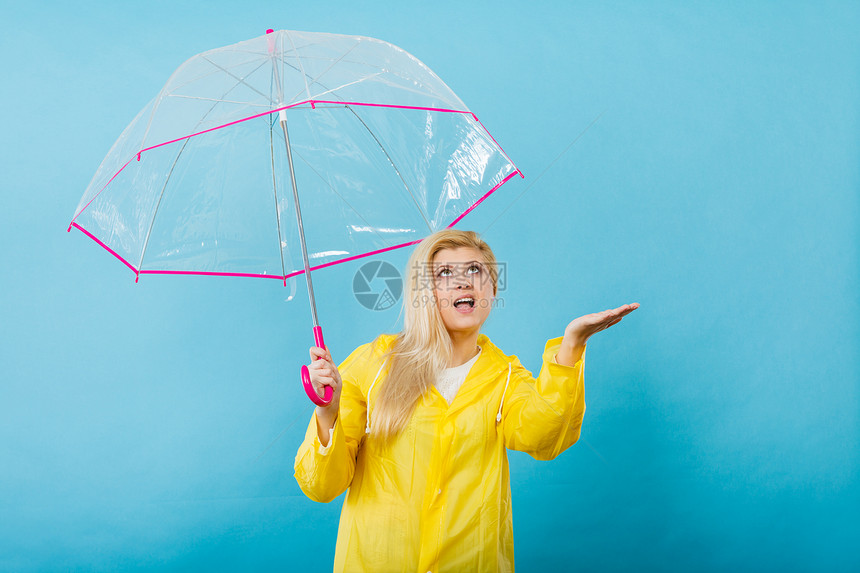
283, 120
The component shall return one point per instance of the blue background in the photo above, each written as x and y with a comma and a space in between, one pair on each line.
698, 158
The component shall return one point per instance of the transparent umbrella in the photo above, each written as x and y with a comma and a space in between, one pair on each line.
287, 153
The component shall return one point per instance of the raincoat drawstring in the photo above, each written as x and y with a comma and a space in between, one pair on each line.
499, 415
367, 427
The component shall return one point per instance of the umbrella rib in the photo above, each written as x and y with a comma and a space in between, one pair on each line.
333, 64
396, 170
329, 185
305, 76
164, 92
328, 91
169, 174
158, 204
238, 79
373, 135
217, 101
389, 72
250, 104
333, 90
277, 206
299, 60
204, 75
155, 103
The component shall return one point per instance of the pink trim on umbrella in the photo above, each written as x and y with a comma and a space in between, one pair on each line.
212, 274
100, 191
295, 273
312, 103
352, 258
220, 127
108, 249
224, 274
487, 194
279, 277
497, 143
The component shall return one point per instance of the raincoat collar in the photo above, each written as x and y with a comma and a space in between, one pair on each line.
491, 363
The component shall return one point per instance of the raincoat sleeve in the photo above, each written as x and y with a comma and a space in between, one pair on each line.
323, 473
543, 416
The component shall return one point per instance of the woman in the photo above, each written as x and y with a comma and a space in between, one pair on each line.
420, 422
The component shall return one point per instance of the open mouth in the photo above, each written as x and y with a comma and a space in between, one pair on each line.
464, 302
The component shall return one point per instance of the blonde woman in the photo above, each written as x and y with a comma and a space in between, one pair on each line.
420, 422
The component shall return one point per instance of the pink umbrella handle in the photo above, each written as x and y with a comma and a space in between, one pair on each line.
306, 376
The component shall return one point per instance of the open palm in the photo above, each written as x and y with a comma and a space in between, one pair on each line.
580, 329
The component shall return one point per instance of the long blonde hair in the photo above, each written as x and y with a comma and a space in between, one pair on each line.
423, 349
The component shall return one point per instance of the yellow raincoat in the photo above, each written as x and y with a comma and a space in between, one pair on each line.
439, 499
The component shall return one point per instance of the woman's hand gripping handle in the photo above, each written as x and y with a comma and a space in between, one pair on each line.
323, 378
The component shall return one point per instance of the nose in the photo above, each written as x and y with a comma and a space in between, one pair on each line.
463, 281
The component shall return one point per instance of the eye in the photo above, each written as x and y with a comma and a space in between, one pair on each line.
446, 272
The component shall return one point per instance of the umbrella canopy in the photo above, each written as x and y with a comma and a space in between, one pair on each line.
383, 154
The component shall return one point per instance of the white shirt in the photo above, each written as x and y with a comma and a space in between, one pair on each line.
451, 379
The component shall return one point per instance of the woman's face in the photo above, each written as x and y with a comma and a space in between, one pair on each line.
463, 288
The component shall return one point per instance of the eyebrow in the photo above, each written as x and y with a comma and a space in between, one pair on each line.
440, 266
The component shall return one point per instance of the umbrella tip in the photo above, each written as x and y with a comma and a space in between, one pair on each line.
269, 31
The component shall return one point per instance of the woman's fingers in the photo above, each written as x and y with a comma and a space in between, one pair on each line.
614, 316
620, 312
627, 308
320, 381
583, 327
317, 352
322, 370
319, 387
321, 357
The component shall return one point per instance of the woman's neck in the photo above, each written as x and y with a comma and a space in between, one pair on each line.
465, 347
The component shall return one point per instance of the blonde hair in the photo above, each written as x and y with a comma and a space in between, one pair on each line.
423, 349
